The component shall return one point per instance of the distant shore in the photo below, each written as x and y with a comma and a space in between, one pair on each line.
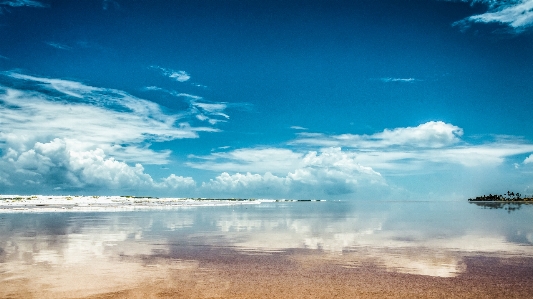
508, 197
43, 203
54, 203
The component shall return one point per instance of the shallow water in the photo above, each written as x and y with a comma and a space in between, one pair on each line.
80, 253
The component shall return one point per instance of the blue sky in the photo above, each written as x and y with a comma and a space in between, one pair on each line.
274, 99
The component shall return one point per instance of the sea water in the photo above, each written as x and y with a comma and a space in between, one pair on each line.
415, 237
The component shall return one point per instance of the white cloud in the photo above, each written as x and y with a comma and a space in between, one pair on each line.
180, 76
198, 85
210, 112
20, 3
249, 185
257, 160
190, 96
63, 135
60, 164
529, 159
412, 148
518, 14
329, 172
59, 46
177, 182
410, 161
211, 108
87, 118
334, 172
407, 80
298, 128
367, 163
152, 88
432, 134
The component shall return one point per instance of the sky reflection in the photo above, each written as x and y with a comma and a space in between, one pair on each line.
114, 250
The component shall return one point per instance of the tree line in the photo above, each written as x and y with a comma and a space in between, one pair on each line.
510, 196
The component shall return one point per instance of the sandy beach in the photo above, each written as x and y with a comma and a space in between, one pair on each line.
223, 273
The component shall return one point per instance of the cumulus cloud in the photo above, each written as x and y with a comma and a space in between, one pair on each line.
517, 14
329, 172
529, 159
180, 76
62, 133
432, 134
365, 162
61, 165
412, 148
248, 185
88, 117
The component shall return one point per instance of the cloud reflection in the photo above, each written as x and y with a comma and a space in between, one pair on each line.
85, 253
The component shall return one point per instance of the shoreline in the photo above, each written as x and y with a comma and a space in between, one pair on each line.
80, 203
41, 203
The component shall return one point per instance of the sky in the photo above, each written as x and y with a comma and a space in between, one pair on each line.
348, 100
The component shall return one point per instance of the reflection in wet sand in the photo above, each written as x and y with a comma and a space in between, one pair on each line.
285, 251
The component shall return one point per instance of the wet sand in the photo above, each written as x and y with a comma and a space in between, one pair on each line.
210, 272
258, 250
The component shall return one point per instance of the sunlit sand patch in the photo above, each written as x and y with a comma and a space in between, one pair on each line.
98, 276
80, 265
420, 261
429, 257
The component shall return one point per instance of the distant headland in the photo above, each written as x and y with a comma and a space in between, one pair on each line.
509, 197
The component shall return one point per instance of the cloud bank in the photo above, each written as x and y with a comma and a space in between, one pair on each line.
355, 165
433, 134
58, 164
325, 174
65, 134
517, 14
90, 117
